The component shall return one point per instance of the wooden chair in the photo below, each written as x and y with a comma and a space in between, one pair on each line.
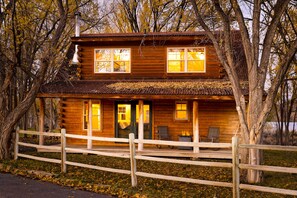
213, 135
162, 134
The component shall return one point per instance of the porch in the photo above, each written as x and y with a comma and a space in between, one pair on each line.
116, 114
119, 118
118, 108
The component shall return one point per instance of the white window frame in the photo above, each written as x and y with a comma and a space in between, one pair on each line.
120, 114
84, 110
112, 61
175, 110
186, 59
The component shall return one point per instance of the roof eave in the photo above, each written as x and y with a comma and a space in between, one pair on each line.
137, 97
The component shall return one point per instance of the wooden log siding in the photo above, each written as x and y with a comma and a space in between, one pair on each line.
220, 114
73, 118
144, 59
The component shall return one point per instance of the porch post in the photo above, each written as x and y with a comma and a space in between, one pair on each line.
50, 127
140, 125
41, 119
89, 146
195, 126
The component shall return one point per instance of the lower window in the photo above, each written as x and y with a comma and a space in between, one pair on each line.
181, 111
92, 114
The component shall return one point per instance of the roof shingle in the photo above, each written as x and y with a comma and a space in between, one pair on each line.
142, 87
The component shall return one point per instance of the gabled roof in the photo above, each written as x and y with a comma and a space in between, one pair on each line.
140, 88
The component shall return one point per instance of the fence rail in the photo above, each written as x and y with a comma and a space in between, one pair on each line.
235, 165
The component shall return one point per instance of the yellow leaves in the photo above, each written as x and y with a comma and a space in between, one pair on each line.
137, 195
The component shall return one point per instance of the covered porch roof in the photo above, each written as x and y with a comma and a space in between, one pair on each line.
142, 89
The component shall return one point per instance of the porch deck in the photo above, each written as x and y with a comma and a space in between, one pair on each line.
153, 151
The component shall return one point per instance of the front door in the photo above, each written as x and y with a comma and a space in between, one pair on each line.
127, 117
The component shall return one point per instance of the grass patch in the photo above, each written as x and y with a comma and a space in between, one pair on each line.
120, 185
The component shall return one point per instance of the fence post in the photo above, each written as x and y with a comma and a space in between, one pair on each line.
132, 159
235, 168
16, 146
63, 151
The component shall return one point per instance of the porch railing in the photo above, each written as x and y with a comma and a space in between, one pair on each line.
235, 164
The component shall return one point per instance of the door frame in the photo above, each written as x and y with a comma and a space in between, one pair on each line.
134, 125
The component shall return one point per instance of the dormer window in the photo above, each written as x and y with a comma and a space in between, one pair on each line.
112, 60
186, 60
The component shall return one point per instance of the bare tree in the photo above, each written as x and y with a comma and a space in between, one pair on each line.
151, 16
35, 38
285, 110
258, 41
286, 99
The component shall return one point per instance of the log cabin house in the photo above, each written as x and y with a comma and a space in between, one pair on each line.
134, 82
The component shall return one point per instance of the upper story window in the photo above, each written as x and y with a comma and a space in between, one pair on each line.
186, 60
112, 60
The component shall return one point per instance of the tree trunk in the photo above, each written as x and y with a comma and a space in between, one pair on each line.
255, 157
7, 124
253, 113
5, 141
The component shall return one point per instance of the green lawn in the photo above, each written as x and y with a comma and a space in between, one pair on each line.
120, 185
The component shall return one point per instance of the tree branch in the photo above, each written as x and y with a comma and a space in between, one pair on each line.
233, 77
244, 33
272, 92
279, 9
255, 35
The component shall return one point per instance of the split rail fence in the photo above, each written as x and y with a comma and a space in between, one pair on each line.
235, 164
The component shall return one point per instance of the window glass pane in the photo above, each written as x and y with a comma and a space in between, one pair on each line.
181, 115
122, 109
181, 112
121, 66
103, 55
184, 107
176, 54
112, 60
103, 66
124, 113
96, 116
121, 55
146, 113
192, 54
195, 54
196, 66
146, 109
194, 62
86, 115
176, 66
196, 59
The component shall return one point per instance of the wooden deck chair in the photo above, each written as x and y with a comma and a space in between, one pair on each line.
213, 135
162, 134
